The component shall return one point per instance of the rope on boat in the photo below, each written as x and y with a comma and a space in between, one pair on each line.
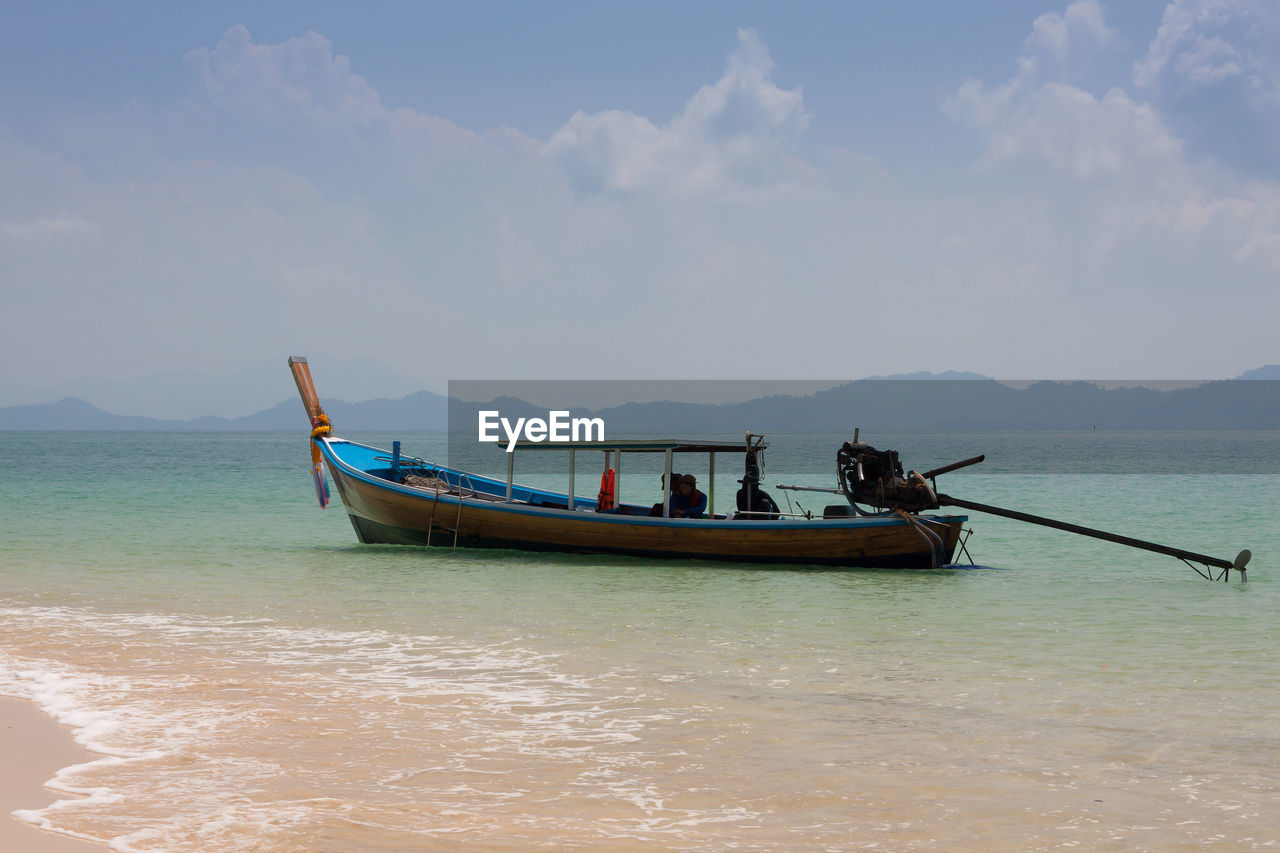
420, 482
938, 543
458, 521
936, 548
432, 519
942, 546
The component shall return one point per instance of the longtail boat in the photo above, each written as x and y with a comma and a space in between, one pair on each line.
885, 521
394, 500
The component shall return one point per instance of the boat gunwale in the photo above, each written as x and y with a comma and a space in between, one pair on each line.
789, 524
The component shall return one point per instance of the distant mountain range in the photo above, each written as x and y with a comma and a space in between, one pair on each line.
423, 410
944, 405
880, 404
189, 394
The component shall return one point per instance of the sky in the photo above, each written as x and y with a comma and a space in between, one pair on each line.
657, 190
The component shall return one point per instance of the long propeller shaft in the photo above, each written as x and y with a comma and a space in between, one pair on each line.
1241, 560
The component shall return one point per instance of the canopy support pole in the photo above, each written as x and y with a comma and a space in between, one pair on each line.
511, 474
711, 487
572, 453
666, 485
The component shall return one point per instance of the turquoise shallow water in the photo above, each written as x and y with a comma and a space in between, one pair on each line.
260, 681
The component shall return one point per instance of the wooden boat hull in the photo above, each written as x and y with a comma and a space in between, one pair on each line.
385, 512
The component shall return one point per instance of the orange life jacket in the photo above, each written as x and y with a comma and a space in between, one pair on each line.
607, 499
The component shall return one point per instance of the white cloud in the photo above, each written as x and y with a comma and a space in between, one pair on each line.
736, 132
1037, 115
299, 96
1209, 60
399, 234
301, 76
1203, 43
195, 257
1068, 129
1058, 37
1114, 163
65, 225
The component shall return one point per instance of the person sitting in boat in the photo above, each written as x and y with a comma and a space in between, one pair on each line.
656, 509
687, 501
754, 503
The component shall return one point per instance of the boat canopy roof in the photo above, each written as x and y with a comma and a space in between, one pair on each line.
637, 445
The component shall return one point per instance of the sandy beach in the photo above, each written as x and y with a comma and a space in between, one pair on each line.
32, 748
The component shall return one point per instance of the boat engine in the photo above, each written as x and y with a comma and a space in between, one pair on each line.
874, 477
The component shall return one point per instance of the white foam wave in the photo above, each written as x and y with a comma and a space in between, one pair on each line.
193, 712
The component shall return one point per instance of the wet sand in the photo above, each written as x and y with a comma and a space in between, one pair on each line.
33, 747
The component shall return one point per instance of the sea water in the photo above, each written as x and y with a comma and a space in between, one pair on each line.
254, 679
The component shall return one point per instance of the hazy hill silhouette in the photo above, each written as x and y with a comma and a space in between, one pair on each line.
971, 404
